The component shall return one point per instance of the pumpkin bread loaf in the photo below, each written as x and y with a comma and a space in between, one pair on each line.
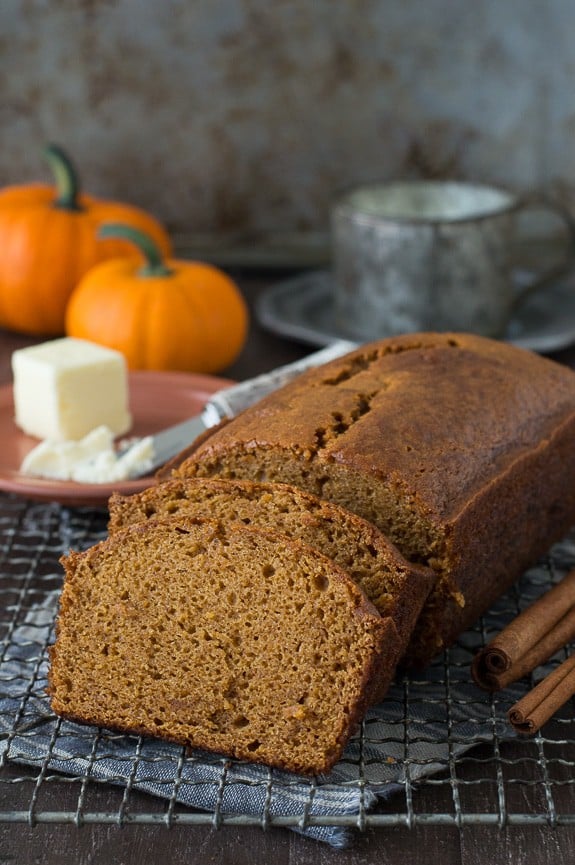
395, 587
219, 637
459, 448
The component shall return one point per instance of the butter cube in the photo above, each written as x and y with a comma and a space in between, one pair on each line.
67, 387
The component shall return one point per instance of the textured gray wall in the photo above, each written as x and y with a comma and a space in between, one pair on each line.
249, 115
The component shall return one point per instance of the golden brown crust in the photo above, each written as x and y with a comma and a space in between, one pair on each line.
440, 416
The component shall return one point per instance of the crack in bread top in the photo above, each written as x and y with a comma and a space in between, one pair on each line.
437, 416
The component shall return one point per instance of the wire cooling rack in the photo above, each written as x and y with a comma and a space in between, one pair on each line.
441, 752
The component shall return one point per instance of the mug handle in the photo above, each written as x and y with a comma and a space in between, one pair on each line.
539, 202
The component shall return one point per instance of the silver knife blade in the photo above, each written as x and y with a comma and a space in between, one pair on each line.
231, 400
171, 441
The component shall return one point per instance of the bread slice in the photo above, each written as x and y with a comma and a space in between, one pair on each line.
396, 588
459, 448
219, 637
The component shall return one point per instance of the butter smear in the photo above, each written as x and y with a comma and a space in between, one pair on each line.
91, 460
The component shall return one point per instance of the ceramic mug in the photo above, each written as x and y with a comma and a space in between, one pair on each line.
431, 255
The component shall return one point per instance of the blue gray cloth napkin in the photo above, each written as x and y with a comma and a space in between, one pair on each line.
424, 723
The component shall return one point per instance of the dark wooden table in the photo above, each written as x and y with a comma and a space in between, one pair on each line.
101, 844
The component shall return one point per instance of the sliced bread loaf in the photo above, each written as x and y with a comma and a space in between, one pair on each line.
395, 587
459, 448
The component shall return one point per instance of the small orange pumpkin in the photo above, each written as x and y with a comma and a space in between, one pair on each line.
165, 315
49, 239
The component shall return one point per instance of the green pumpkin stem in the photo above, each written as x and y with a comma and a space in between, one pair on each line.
155, 265
65, 178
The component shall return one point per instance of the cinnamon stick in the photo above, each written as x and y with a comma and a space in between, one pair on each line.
533, 637
540, 704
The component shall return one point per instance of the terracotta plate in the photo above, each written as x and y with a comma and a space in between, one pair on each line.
157, 400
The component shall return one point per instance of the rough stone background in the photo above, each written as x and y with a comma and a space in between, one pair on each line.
249, 116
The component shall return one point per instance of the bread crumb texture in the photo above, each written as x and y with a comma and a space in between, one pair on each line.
396, 587
218, 637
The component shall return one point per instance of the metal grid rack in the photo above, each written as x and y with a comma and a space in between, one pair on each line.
443, 756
